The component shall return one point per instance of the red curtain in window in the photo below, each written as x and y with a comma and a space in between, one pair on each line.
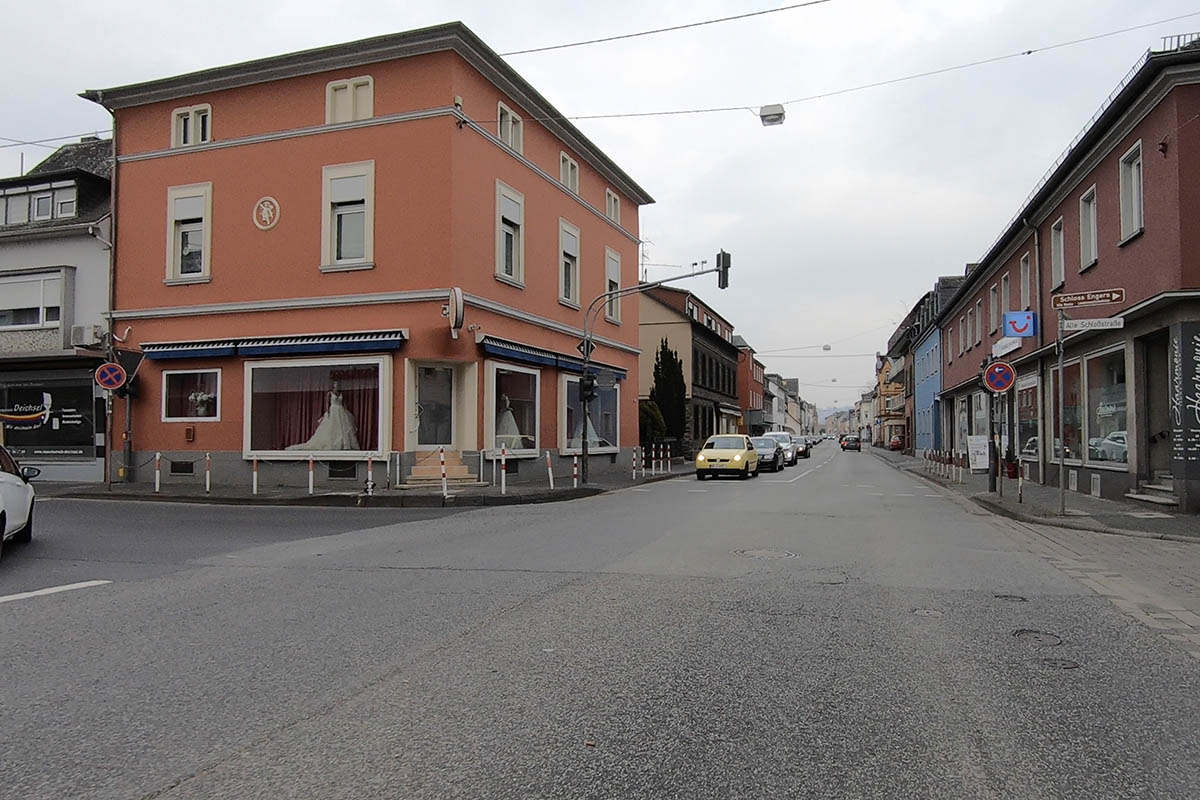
287, 403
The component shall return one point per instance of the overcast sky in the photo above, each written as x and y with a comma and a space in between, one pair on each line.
838, 221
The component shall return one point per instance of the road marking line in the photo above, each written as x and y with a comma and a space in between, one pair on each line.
697, 490
8, 598
876, 494
933, 495
904, 494
641, 490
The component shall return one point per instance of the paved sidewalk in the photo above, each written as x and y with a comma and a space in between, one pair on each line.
1040, 505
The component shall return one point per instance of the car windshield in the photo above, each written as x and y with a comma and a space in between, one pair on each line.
763, 441
779, 437
725, 443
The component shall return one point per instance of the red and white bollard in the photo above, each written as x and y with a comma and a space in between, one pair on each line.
574, 472
442, 459
668, 454
503, 470
370, 475
157, 472
207, 472
310, 474
254, 476
633, 463
549, 471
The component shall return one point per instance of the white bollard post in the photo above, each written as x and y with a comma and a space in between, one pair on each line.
310, 474
633, 463
157, 472
1021, 482
642, 461
370, 475
495, 463
549, 471
207, 472
442, 459
503, 470
574, 472
254, 476
668, 456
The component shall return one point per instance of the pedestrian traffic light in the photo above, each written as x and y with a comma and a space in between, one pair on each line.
722, 270
587, 387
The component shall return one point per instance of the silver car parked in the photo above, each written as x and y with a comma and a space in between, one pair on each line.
785, 440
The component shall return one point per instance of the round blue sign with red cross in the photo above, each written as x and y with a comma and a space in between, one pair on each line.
110, 376
999, 376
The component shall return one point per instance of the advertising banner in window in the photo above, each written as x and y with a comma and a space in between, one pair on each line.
1185, 401
49, 418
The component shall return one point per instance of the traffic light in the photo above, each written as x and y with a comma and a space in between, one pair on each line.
722, 270
587, 387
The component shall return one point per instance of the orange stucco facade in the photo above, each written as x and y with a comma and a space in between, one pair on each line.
435, 199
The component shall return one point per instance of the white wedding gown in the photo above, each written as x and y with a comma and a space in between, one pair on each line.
335, 430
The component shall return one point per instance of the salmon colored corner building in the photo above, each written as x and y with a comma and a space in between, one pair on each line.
367, 251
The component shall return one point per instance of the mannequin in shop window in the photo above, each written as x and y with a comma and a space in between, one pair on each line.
508, 434
336, 430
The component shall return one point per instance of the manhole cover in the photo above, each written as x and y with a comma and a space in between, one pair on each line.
1060, 663
1013, 598
1037, 637
764, 552
927, 612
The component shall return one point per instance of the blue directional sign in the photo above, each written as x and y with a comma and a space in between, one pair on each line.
1020, 324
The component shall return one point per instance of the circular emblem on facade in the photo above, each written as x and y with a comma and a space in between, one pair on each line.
266, 213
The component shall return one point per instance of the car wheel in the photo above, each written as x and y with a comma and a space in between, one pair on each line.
3, 522
699, 475
25, 535
745, 473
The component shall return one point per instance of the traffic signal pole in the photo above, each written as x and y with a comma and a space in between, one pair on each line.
592, 314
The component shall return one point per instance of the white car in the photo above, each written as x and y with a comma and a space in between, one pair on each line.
16, 500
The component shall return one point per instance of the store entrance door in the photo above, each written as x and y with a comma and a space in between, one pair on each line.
435, 407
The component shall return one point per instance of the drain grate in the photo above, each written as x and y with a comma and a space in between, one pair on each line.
1012, 598
1037, 637
764, 552
1059, 663
927, 612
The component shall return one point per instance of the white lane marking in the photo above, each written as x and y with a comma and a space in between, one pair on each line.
8, 598
864, 485
876, 494
904, 494
697, 490
933, 495
641, 490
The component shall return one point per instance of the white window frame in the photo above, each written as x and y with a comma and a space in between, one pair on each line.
1026, 278
173, 273
1133, 219
41, 279
350, 84
612, 305
612, 206
568, 171
13, 202
504, 191
1005, 296
1058, 253
993, 308
489, 400
34, 216
1088, 240
564, 378
330, 173
192, 115
962, 334
63, 196
510, 128
568, 298
978, 321
383, 420
166, 372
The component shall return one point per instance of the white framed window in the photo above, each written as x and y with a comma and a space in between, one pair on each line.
43, 206
510, 239
510, 128
191, 395
1130, 174
568, 273
978, 321
603, 427
1057, 253
568, 172
513, 393
349, 99
31, 301
970, 327
993, 308
1087, 229
612, 206
1025, 282
191, 125
1005, 296
324, 407
348, 219
612, 282
64, 202
189, 233
962, 334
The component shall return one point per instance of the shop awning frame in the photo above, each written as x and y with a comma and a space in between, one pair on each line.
539, 356
294, 344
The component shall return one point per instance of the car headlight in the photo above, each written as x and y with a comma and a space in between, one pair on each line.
700, 457
737, 457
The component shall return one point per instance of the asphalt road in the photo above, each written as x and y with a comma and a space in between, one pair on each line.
830, 631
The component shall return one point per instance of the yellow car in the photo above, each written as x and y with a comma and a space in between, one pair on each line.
730, 452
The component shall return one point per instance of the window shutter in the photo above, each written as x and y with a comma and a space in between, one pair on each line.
352, 189
569, 243
22, 294
510, 209
189, 207
341, 104
363, 101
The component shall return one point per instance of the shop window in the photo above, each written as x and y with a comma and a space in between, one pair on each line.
48, 416
296, 408
603, 419
1027, 420
1108, 433
515, 406
979, 414
962, 421
1071, 412
191, 396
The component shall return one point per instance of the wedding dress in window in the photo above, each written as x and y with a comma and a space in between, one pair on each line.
335, 430
507, 433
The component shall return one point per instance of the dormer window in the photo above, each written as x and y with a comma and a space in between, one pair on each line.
191, 126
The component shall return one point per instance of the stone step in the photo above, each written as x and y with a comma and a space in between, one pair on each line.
466, 480
428, 470
1154, 499
432, 457
1160, 488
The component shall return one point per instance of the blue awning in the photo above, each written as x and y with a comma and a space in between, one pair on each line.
298, 344
538, 356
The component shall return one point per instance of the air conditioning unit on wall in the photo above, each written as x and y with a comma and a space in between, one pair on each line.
85, 335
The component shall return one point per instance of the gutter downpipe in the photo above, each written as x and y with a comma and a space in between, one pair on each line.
1041, 334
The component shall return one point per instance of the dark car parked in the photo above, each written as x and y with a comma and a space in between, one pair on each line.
771, 454
851, 443
803, 448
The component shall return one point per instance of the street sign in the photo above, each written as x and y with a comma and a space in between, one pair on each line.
605, 379
585, 347
1102, 324
1097, 298
1004, 346
1020, 324
999, 376
110, 376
